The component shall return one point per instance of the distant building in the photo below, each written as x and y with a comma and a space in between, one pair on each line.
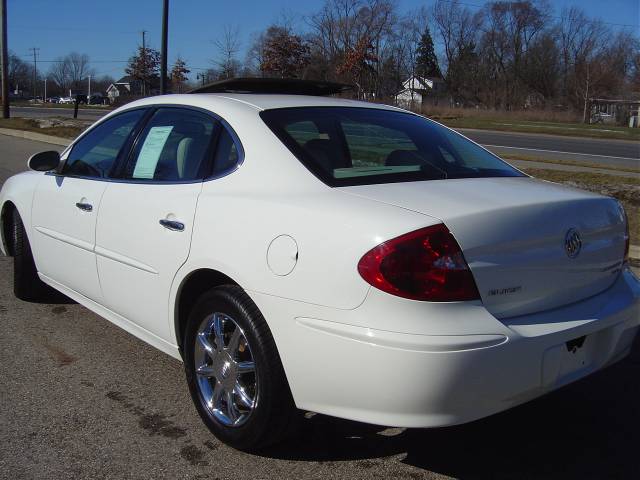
619, 111
418, 91
120, 88
128, 85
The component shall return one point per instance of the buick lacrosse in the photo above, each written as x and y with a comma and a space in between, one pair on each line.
299, 251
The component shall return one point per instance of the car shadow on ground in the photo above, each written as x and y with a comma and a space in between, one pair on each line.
590, 429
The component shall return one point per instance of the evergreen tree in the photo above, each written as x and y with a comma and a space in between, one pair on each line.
179, 74
427, 62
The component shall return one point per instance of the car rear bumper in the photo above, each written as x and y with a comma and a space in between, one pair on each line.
342, 368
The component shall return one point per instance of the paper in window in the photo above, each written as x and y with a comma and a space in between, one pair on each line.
150, 152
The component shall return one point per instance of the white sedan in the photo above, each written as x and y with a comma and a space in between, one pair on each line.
304, 252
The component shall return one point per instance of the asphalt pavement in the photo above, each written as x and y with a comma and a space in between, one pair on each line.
616, 153
81, 398
41, 112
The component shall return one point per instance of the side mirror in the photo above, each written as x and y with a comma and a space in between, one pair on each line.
44, 161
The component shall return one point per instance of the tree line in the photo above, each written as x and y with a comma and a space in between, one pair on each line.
68, 73
506, 55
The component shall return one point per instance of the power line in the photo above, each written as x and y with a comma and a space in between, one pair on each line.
92, 61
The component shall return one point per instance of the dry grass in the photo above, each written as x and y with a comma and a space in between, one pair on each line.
625, 189
530, 121
553, 116
33, 126
572, 163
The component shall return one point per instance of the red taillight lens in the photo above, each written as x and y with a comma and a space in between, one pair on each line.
423, 265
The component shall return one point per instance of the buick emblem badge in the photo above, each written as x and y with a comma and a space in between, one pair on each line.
572, 243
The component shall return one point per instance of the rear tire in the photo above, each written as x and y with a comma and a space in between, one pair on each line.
228, 347
26, 283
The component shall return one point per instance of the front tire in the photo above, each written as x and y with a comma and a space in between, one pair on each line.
26, 283
234, 372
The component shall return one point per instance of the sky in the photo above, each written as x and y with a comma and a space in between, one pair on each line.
110, 31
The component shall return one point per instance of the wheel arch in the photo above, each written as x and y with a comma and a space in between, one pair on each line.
192, 286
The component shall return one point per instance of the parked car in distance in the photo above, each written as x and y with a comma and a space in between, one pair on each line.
303, 252
96, 99
53, 100
66, 100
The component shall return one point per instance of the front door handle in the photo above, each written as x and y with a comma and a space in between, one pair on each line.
85, 207
172, 225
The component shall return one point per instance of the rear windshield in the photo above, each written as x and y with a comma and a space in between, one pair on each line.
357, 146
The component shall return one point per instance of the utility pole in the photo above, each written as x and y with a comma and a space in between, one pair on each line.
4, 64
35, 69
89, 94
144, 64
44, 97
163, 48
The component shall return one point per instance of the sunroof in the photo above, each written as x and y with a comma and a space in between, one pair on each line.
289, 86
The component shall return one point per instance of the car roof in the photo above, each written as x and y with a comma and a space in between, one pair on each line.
224, 101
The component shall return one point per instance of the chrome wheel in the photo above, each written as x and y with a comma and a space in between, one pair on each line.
225, 370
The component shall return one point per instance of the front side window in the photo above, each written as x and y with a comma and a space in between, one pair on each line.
96, 152
174, 146
354, 146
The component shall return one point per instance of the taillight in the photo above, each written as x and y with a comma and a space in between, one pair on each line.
426, 264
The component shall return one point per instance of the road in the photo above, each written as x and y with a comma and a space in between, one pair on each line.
83, 399
41, 112
617, 153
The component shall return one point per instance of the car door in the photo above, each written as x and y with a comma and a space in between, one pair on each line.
66, 204
144, 229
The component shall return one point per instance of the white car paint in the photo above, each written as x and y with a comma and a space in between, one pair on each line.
348, 349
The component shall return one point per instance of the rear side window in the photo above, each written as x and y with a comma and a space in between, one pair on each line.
175, 146
353, 146
227, 155
96, 152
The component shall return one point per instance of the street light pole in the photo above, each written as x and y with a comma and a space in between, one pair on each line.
4, 63
89, 94
163, 49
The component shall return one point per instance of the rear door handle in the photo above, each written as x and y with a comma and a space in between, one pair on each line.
172, 225
85, 207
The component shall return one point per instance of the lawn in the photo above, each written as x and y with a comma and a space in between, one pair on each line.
625, 189
555, 128
67, 129
572, 163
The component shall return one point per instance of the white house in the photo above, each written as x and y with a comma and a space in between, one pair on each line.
121, 87
418, 91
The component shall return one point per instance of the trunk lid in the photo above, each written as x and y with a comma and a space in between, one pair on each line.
531, 245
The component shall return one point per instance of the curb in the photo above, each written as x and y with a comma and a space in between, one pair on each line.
38, 137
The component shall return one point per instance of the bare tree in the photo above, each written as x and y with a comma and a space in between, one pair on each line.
70, 71
228, 47
19, 72
458, 30
346, 33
